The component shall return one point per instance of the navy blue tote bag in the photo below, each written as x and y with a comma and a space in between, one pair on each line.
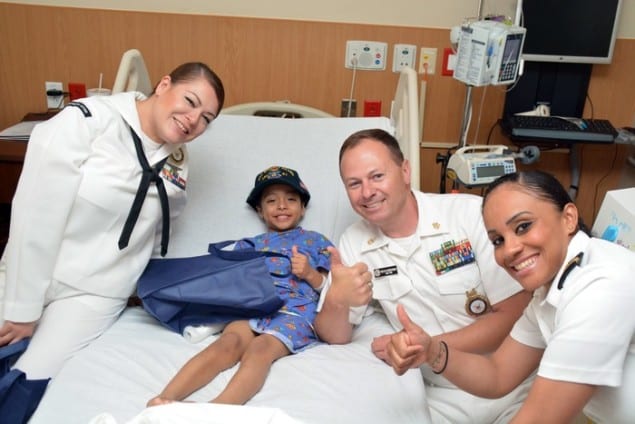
19, 397
219, 287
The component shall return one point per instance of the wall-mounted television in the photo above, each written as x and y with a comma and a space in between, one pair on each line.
570, 31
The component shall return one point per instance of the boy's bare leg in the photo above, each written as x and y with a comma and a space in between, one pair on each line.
222, 354
253, 370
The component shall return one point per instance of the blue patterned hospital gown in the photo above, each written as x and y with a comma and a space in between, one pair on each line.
293, 323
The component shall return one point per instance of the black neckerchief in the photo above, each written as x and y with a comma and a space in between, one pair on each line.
150, 175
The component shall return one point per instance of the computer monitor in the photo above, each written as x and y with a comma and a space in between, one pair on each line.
570, 31
564, 39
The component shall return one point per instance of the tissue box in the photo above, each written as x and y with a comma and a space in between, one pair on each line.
616, 220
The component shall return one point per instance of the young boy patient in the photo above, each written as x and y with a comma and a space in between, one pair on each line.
280, 198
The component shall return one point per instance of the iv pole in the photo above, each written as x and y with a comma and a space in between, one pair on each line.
467, 109
574, 155
468, 96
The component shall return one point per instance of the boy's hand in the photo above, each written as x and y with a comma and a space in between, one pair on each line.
300, 264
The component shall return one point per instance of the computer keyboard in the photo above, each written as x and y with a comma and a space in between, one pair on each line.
561, 128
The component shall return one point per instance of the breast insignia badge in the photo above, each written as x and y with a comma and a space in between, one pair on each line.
177, 156
476, 304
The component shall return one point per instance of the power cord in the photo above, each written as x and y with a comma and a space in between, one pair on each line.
443, 160
56, 93
588, 98
350, 97
480, 114
601, 180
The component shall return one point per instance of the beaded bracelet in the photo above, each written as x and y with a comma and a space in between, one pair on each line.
444, 347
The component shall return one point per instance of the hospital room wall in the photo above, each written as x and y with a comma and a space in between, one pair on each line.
281, 59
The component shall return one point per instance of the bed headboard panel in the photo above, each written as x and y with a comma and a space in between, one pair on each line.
282, 109
225, 161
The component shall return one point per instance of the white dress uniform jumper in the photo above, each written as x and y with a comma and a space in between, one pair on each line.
85, 222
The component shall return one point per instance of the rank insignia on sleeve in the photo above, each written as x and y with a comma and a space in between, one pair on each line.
81, 106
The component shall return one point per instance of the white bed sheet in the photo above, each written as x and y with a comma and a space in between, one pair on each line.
203, 413
133, 360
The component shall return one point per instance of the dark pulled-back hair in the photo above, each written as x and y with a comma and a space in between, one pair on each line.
375, 134
191, 71
540, 184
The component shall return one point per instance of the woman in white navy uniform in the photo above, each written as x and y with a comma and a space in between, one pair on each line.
83, 226
577, 331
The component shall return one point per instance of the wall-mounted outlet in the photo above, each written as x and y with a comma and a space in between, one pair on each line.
349, 108
367, 55
403, 55
54, 92
428, 60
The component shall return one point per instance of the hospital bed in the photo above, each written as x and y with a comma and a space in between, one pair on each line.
111, 380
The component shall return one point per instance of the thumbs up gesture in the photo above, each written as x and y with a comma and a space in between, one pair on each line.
299, 264
350, 285
408, 348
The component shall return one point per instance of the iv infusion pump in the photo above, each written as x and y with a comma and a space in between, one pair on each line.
480, 165
489, 53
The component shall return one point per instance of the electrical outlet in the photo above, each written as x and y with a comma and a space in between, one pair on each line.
366, 55
428, 60
54, 101
349, 108
403, 55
